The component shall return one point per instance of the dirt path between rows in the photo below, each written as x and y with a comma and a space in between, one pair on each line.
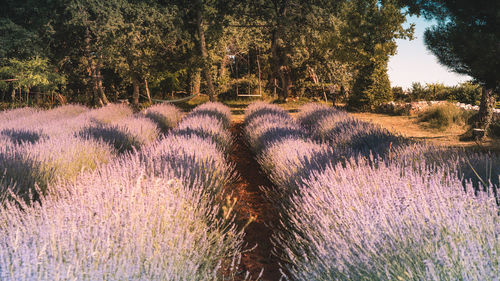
251, 202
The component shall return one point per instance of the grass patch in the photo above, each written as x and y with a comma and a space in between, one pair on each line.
442, 116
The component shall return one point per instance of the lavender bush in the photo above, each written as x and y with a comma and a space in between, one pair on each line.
311, 114
110, 113
20, 136
365, 223
126, 134
216, 110
362, 137
197, 161
29, 118
208, 121
34, 125
166, 116
478, 167
25, 166
119, 223
155, 214
12, 114
266, 124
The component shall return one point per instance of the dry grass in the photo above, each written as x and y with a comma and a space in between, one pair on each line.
408, 126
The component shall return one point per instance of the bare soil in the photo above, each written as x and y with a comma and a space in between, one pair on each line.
252, 203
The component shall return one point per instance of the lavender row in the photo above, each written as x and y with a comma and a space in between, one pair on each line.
349, 213
209, 121
153, 214
351, 137
30, 125
43, 147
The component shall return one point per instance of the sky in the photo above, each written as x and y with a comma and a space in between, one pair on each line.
414, 63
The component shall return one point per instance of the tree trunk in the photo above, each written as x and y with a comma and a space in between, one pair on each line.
286, 82
95, 87
13, 95
100, 88
37, 97
195, 82
204, 53
280, 70
485, 113
91, 68
258, 68
137, 91
275, 65
148, 94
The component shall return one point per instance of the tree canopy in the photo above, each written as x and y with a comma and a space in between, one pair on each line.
128, 49
466, 40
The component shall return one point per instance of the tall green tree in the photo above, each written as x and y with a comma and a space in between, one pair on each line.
466, 39
367, 39
145, 38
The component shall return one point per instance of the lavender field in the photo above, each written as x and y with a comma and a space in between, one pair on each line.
359, 203
113, 194
106, 194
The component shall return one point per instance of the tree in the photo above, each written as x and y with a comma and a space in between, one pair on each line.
466, 40
145, 38
366, 40
32, 73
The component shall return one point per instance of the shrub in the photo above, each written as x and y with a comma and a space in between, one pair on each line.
390, 223
467, 92
13, 114
110, 113
310, 115
206, 126
209, 120
216, 110
494, 129
124, 135
154, 214
196, 160
20, 136
166, 116
48, 161
119, 223
38, 121
354, 136
442, 116
478, 168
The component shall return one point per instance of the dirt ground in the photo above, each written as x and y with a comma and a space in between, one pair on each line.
408, 127
252, 203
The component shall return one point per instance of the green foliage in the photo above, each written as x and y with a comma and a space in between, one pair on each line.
443, 116
466, 37
466, 40
34, 72
467, 92
122, 48
371, 89
398, 93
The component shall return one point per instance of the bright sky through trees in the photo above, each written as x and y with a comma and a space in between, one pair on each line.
414, 63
